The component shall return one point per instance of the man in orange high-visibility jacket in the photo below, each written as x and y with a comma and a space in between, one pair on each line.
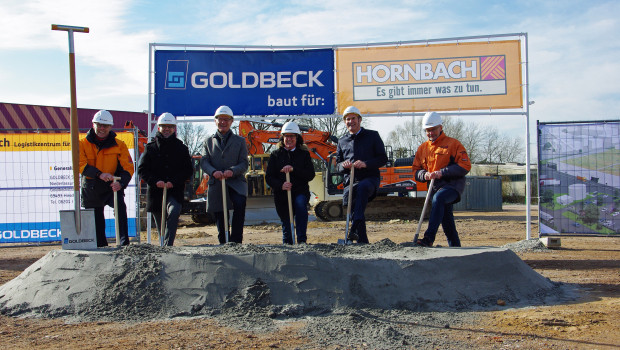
102, 157
444, 159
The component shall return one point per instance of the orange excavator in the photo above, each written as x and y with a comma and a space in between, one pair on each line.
320, 143
397, 180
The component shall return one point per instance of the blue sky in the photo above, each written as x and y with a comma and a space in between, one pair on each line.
574, 50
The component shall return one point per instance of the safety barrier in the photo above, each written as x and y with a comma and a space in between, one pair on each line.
36, 182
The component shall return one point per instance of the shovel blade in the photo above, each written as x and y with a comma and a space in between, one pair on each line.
71, 239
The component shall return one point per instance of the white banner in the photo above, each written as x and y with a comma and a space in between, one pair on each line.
36, 182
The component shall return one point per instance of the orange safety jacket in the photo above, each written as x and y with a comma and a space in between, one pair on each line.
107, 156
447, 155
112, 154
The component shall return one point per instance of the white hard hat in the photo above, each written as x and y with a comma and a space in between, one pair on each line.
166, 119
290, 128
351, 109
103, 117
223, 110
431, 119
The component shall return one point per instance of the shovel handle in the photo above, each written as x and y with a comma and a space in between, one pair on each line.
290, 209
429, 191
116, 223
164, 204
349, 204
225, 206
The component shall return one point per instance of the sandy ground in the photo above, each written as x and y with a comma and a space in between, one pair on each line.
591, 322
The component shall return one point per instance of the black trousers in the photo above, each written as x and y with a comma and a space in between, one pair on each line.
238, 218
102, 241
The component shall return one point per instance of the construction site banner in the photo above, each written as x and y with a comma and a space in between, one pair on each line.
579, 181
37, 182
281, 82
434, 77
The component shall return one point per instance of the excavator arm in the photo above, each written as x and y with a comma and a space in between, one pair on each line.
317, 141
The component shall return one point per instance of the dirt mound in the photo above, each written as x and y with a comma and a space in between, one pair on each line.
144, 282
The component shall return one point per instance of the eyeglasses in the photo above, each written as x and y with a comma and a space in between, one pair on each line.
167, 126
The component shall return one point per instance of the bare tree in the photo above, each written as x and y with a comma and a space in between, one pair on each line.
511, 150
483, 144
407, 136
334, 125
193, 136
472, 140
498, 148
489, 145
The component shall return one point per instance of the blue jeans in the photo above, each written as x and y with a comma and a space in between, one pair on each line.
300, 212
362, 192
173, 210
238, 218
442, 213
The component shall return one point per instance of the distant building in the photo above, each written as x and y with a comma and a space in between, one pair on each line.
512, 174
577, 191
565, 200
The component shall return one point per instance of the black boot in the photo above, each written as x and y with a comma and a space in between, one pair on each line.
353, 236
361, 232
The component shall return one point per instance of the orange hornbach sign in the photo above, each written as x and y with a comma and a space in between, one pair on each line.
441, 77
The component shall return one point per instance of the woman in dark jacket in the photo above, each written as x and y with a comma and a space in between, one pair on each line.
291, 157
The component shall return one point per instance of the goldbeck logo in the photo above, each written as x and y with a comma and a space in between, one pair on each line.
176, 74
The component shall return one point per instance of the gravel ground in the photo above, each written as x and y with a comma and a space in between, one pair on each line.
590, 264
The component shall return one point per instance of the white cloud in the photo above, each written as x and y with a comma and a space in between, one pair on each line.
573, 46
111, 60
573, 63
300, 22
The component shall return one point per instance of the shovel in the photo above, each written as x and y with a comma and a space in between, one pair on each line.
225, 205
77, 226
428, 197
116, 223
164, 203
290, 208
349, 205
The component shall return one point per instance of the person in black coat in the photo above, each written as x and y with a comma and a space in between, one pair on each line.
364, 150
291, 157
166, 163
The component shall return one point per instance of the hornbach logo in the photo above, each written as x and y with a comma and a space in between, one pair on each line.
428, 78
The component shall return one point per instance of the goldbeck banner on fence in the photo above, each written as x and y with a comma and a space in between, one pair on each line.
36, 182
440, 77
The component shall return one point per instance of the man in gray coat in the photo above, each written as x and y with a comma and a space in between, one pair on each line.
226, 157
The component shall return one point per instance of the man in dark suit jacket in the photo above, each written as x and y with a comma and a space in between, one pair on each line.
362, 149
226, 157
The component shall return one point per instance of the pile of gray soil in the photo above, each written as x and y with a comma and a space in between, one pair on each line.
527, 246
145, 282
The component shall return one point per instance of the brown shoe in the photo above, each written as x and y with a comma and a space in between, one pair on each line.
422, 243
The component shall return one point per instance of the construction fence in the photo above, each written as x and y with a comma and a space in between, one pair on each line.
36, 182
579, 182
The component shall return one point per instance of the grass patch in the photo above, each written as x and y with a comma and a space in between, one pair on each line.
554, 205
607, 162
